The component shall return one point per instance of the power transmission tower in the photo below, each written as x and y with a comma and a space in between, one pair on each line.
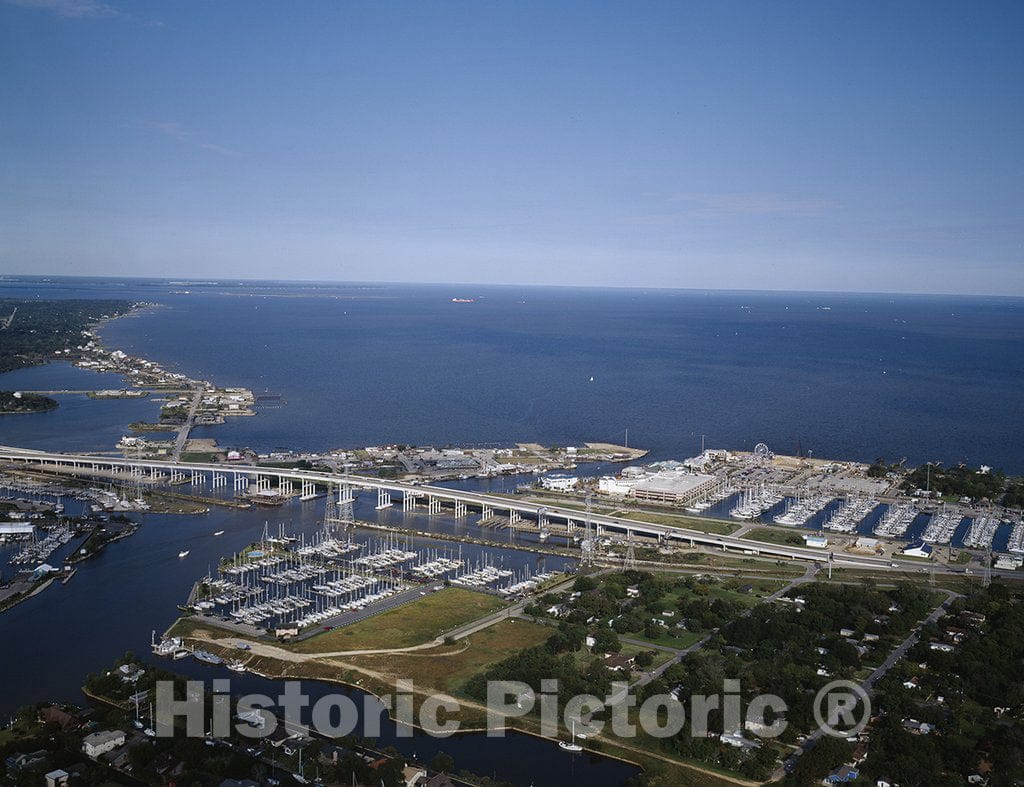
587, 544
630, 560
338, 513
331, 516
345, 511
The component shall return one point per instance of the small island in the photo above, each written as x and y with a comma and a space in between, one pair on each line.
17, 402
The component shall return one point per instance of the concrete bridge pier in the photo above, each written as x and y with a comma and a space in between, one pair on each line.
383, 499
308, 490
409, 500
460, 508
433, 505
487, 512
198, 479
514, 517
345, 494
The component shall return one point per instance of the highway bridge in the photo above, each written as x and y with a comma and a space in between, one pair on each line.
288, 482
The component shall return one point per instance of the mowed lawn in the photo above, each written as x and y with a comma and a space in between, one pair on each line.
715, 526
415, 623
773, 535
448, 667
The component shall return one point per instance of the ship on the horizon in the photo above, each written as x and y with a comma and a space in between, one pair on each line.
463, 300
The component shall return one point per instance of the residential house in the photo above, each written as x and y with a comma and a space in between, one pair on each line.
413, 774
917, 727
841, 775
99, 743
57, 778
20, 762
619, 662
54, 715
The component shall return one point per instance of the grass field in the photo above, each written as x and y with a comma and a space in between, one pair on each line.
448, 667
773, 535
717, 526
670, 640
762, 588
715, 560
199, 457
413, 624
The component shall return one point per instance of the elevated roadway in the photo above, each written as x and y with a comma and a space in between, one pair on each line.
241, 476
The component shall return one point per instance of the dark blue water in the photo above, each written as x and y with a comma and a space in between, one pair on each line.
961, 530
867, 524
79, 423
926, 378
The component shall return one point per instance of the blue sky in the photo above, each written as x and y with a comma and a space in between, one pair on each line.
821, 146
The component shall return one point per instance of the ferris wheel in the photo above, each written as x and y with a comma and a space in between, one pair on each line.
762, 452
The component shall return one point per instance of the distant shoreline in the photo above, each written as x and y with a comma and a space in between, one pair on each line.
237, 281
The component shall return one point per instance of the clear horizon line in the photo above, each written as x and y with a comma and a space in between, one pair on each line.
624, 287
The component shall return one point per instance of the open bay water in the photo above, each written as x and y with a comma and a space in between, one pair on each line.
927, 378
79, 423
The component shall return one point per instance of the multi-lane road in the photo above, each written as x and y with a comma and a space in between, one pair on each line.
86, 465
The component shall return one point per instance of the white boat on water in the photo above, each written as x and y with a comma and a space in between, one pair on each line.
236, 666
983, 530
165, 647
755, 501
218, 533
1016, 541
183, 553
571, 745
800, 511
896, 520
850, 514
941, 527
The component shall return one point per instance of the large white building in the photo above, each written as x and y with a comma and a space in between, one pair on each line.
559, 482
675, 487
99, 743
616, 486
